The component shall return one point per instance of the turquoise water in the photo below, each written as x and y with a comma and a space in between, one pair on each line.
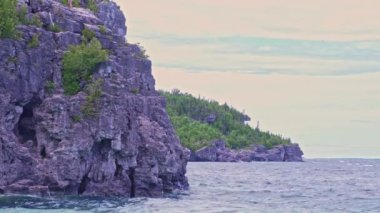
328, 185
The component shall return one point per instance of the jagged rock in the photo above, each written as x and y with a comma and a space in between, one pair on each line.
293, 153
218, 152
47, 146
113, 18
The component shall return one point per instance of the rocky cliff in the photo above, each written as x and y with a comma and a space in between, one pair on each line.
47, 144
218, 152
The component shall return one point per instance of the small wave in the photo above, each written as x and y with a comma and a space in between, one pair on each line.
297, 195
259, 191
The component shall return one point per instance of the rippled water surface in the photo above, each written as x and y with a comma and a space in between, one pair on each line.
339, 185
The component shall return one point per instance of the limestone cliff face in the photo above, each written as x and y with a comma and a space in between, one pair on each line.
48, 146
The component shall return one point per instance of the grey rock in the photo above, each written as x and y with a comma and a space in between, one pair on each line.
293, 153
211, 118
47, 146
113, 18
218, 152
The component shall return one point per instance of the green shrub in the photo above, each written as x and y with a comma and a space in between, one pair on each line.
76, 118
36, 21
54, 28
8, 18
94, 93
102, 29
142, 53
12, 59
49, 87
135, 91
34, 42
88, 34
79, 63
91, 4
22, 19
21, 15
76, 3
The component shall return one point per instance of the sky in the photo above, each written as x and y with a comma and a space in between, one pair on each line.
308, 70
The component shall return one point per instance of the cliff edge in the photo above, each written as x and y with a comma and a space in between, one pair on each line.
117, 143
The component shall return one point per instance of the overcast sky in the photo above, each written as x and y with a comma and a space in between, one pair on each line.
308, 70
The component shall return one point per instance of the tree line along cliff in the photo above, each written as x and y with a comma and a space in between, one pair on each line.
199, 122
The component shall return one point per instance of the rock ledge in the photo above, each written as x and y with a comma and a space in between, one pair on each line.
218, 152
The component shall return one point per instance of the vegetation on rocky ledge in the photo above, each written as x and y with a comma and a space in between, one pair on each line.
79, 63
11, 16
199, 121
8, 18
90, 4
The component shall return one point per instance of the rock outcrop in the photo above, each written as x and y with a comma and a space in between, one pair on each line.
218, 152
47, 145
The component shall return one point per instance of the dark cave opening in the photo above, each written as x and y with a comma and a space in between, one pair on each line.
131, 175
26, 126
102, 149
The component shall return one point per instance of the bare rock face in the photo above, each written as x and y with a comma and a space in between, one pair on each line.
218, 152
48, 147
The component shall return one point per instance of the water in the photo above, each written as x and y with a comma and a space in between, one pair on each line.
338, 185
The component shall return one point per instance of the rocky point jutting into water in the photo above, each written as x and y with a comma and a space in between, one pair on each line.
50, 143
219, 132
218, 152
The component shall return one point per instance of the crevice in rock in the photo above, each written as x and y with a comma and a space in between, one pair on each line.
83, 184
129, 124
26, 126
43, 152
286, 157
131, 175
119, 169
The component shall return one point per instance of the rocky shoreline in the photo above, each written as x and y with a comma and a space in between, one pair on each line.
219, 152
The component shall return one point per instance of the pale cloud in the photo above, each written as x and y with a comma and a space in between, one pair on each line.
265, 56
291, 19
